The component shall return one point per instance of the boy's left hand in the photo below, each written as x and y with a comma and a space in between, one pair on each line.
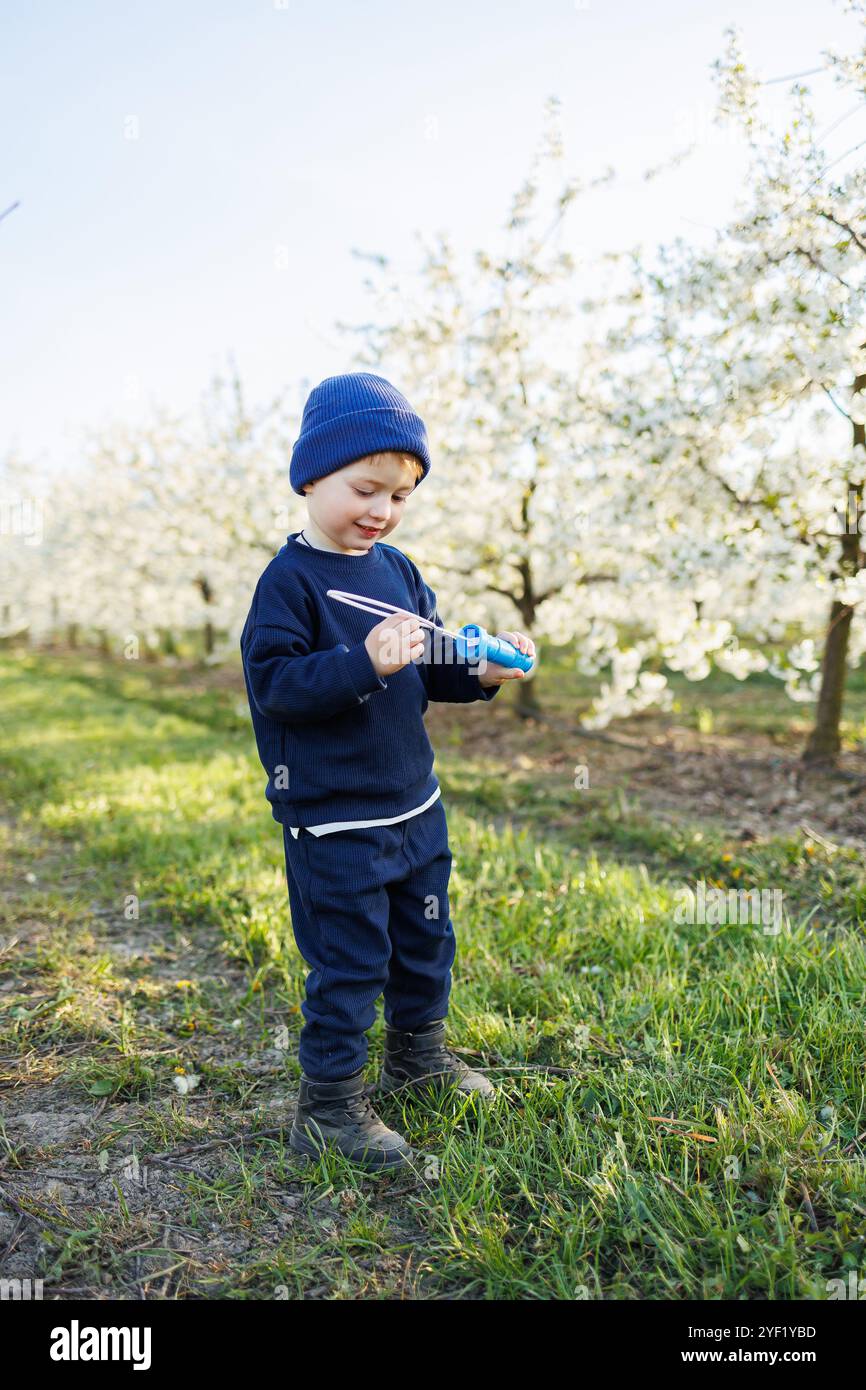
496, 674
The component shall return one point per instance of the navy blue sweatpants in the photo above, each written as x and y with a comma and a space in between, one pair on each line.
370, 916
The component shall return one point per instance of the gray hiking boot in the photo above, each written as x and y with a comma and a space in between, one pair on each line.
339, 1114
421, 1059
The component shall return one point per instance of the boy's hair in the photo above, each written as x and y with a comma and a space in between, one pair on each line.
411, 460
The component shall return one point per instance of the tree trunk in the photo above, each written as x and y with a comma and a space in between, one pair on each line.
207, 594
527, 704
825, 740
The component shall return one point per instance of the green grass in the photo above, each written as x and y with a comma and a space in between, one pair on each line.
681, 1105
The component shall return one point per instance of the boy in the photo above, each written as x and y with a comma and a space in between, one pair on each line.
337, 710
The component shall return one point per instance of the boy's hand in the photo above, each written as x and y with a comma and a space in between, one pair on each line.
394, 642
495, 674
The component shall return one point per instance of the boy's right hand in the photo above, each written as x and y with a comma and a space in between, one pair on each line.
394, 642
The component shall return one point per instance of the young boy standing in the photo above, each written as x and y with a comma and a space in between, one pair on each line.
337, 710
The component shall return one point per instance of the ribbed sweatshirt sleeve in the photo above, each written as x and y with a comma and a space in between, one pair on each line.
452, 681
288, 681
292, 684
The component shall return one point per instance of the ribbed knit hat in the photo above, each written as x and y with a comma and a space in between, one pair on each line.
346, 418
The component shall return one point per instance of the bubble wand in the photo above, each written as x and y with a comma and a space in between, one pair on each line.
472, 641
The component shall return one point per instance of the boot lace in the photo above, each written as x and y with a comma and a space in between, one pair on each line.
360, 1107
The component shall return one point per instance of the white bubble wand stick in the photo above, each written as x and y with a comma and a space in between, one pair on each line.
472, 641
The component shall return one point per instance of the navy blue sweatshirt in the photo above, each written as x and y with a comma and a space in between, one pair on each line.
338, 741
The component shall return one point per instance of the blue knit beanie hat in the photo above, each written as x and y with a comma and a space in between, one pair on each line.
346, 418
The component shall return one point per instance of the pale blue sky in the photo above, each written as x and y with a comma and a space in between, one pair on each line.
133, 267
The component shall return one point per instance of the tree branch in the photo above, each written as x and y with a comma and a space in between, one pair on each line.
845, 228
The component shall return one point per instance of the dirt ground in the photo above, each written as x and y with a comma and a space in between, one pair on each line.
749, 785
743, 783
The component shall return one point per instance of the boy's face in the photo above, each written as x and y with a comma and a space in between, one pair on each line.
365, 494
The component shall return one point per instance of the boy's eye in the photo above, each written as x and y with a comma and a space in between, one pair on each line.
371, 494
